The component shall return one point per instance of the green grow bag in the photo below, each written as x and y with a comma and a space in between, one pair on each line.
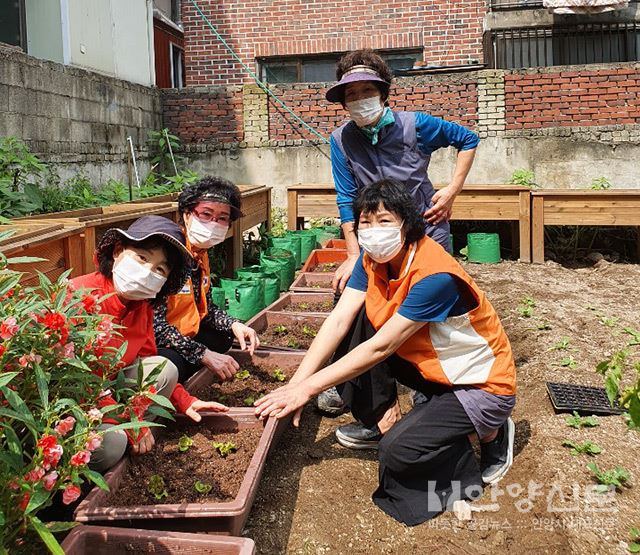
217, 296
271, 281
297, 245
276, 266
333, 230
308, 243
483, 248
322, 236
245, 298
283, 256
289, 243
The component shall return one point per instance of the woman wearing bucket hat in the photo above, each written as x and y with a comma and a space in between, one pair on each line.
192, 331
380, 143
136, 266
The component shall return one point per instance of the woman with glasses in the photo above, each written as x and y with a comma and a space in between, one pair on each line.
190, 329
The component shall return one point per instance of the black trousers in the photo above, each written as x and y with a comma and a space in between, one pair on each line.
215, 340
426, 461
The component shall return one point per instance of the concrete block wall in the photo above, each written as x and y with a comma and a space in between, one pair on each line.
76, 119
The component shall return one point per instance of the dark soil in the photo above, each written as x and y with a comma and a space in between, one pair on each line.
180, 471
326, 306
292, 337
320, 285
243, 391
325, 267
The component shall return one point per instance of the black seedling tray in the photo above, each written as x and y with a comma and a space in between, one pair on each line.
584, 400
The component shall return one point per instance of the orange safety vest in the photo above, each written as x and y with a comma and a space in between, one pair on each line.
182, 310
470, 349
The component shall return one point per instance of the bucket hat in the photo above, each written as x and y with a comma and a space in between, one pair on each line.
145, 228
356, 73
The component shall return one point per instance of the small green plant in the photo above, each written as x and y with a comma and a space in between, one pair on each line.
524, 178
304, 306
568, 362
600, 184
543, 326
612, 370
242, 375
226, 448
248, 401
634, 540
279, 375
308, 331
608, 321
527, 304
293, 343
635, 336
280, 329
157, 487
618, 477
576, 421
586, 448
562, 345
201, 487
184, 443
278, 222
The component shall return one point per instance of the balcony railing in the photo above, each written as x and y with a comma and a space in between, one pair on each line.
589, 43
497, 5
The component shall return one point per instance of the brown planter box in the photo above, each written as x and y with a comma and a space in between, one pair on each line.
226, 517
261, 321
287, 299
324, 256
60, 244
98, 540
337, 244
305, 282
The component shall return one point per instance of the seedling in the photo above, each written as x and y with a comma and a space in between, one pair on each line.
586, 448
612, 369
201, 487
328, 266
242, 375
293, 343
280, 329
634, 540
618, 477
600, 184
543, 326
157, 488
279, 375
184, 443
576, 421
248, 401
629, 422
225, 448
562, 345
608, 321
568, 362
309, 332
304, 306
526, 307
635, 334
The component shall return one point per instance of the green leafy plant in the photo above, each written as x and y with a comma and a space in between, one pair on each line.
225, 449
161, 145
524, 178
526, 306
278, 222
184, 443
635, 334
600, 184
201, 487
248, 401
293, 343
308, 331
303, 306
568, 362
279, 375
157, 487
19, 174
543, 326
612, 370
608, 321
618, 477
634, 540
586, 448
242, 375
280, 329
562, 345
576, 421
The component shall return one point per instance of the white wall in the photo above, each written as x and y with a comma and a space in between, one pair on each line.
44, 29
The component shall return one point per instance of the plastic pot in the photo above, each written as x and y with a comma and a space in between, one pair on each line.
312, 282
324, 256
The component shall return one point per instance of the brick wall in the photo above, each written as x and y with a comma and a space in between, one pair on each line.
552, 97
450, 33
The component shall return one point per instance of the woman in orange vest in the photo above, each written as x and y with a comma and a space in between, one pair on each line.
411, 313
190, 329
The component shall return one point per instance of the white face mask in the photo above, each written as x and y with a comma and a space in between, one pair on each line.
381, 243
365, 111
134, 281
205, 235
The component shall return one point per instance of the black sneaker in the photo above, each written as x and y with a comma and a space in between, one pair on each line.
496, 457
330, 402
358, 436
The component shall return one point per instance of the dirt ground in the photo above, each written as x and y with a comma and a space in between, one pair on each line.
314, 497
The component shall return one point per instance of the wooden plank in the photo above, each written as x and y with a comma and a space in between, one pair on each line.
524, 226
537, 230
73, 255
591, 219
586, 192
292, 208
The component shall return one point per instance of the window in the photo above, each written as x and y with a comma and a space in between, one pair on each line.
589, 43
12, 23
177, 66
315, 69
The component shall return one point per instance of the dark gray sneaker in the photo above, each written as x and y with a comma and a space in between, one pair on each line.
358, 436
496, 457
330, 402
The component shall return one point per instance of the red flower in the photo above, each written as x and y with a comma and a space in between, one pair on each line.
93, 441
3, 350
70, 494
65, 426
24, 360
54, 320
8, 328
90, 303
24, 501
50, 480
51, 451
34, 475
80, 458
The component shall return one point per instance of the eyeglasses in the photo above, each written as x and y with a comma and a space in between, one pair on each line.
206, 215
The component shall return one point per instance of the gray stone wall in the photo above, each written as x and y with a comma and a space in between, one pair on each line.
75, 119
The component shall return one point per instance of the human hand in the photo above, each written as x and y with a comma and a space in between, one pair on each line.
144, 444
223, 366
283, 401
441, 206
343, 273
245, 334
198, 405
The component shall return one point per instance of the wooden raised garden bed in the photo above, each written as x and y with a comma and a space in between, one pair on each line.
60, 244
324, 260
266, 371
312, 282
98, 540
163, 485
303, 303
286, 330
